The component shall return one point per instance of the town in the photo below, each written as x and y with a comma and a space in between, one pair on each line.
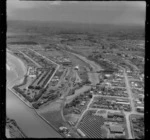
65, 81
76, 69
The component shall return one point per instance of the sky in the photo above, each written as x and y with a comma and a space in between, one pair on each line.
99, 12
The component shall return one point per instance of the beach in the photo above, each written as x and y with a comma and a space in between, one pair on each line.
27, 119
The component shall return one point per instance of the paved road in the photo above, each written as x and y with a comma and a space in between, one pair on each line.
129, 91
132, 104
127, 114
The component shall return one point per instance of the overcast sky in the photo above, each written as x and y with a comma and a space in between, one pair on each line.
115, 12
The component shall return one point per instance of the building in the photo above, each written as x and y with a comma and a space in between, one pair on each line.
140, 109
116, 129
111, 115
122, 100
123, 103
107, 75
31, 72
67, 63
81, 133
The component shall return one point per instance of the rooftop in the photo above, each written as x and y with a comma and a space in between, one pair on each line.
116, 129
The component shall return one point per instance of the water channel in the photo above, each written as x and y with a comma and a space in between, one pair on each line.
27, 119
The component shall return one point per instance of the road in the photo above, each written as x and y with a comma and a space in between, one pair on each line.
129, 90
97, 68
87, 108
30, 59
127, 114
132, 104
44, 57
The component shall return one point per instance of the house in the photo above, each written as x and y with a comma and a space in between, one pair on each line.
83, 103
140, 108
107, 75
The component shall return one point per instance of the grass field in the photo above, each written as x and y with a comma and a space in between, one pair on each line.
54, 117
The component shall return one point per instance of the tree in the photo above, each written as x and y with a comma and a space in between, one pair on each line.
90, 96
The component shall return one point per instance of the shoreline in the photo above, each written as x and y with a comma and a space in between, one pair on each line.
23, 99
9, 129
14, 92
36, 112
23, 63
49, 123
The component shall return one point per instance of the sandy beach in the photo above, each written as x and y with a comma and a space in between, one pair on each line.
23, 64
8, 67
11, 67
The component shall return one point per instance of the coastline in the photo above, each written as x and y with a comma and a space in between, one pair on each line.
19, 80
22, 99
22, 62
10, 130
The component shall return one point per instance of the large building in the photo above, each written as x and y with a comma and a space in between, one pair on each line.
116, 129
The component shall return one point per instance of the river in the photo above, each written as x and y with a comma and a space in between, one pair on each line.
27, 119
93, 77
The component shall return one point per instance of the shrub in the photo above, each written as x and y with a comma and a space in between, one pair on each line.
35, 105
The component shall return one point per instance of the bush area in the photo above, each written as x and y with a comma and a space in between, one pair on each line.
22, 93
102, 63
37, 96
54, 117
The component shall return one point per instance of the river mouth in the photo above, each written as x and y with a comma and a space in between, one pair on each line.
27, 119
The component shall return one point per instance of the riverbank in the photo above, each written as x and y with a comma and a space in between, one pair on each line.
21, 98
92, 63
26, 102
49, 124
13, 130
18, 81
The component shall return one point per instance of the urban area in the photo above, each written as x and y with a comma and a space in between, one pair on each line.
85, 86
82, 80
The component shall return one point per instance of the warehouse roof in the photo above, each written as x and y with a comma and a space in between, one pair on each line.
116, 129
